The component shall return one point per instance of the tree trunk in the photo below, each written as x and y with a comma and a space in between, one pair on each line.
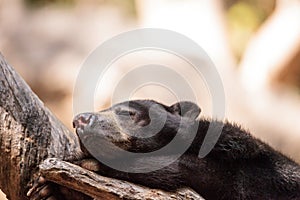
30, 133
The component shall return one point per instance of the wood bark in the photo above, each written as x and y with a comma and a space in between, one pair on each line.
99, 187
33, 140
29, 134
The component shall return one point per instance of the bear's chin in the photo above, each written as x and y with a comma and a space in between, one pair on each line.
101, 147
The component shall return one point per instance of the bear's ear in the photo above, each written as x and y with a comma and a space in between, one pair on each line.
185, 109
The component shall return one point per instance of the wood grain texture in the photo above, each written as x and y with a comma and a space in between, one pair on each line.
29, 134
99, 187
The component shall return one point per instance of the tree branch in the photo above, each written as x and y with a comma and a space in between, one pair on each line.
99, 187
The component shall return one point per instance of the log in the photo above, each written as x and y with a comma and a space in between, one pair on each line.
29, 134
33, 141
99, 187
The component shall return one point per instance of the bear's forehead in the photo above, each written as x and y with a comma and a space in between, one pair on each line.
137, 104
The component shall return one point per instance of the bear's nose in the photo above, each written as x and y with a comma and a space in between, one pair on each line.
82, 120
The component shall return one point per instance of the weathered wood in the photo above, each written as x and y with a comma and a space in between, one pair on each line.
99, 187
29, 134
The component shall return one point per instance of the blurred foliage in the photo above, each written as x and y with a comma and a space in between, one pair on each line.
39, 3
244, 18
127, 5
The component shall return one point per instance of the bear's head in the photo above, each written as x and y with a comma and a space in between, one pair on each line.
136, 126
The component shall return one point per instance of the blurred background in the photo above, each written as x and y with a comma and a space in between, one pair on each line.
255, 45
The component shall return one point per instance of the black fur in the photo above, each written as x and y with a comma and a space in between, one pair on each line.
238, 167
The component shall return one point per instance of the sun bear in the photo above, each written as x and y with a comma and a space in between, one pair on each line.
238, 167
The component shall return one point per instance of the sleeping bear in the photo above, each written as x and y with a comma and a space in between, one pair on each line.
148, 143
238, 167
